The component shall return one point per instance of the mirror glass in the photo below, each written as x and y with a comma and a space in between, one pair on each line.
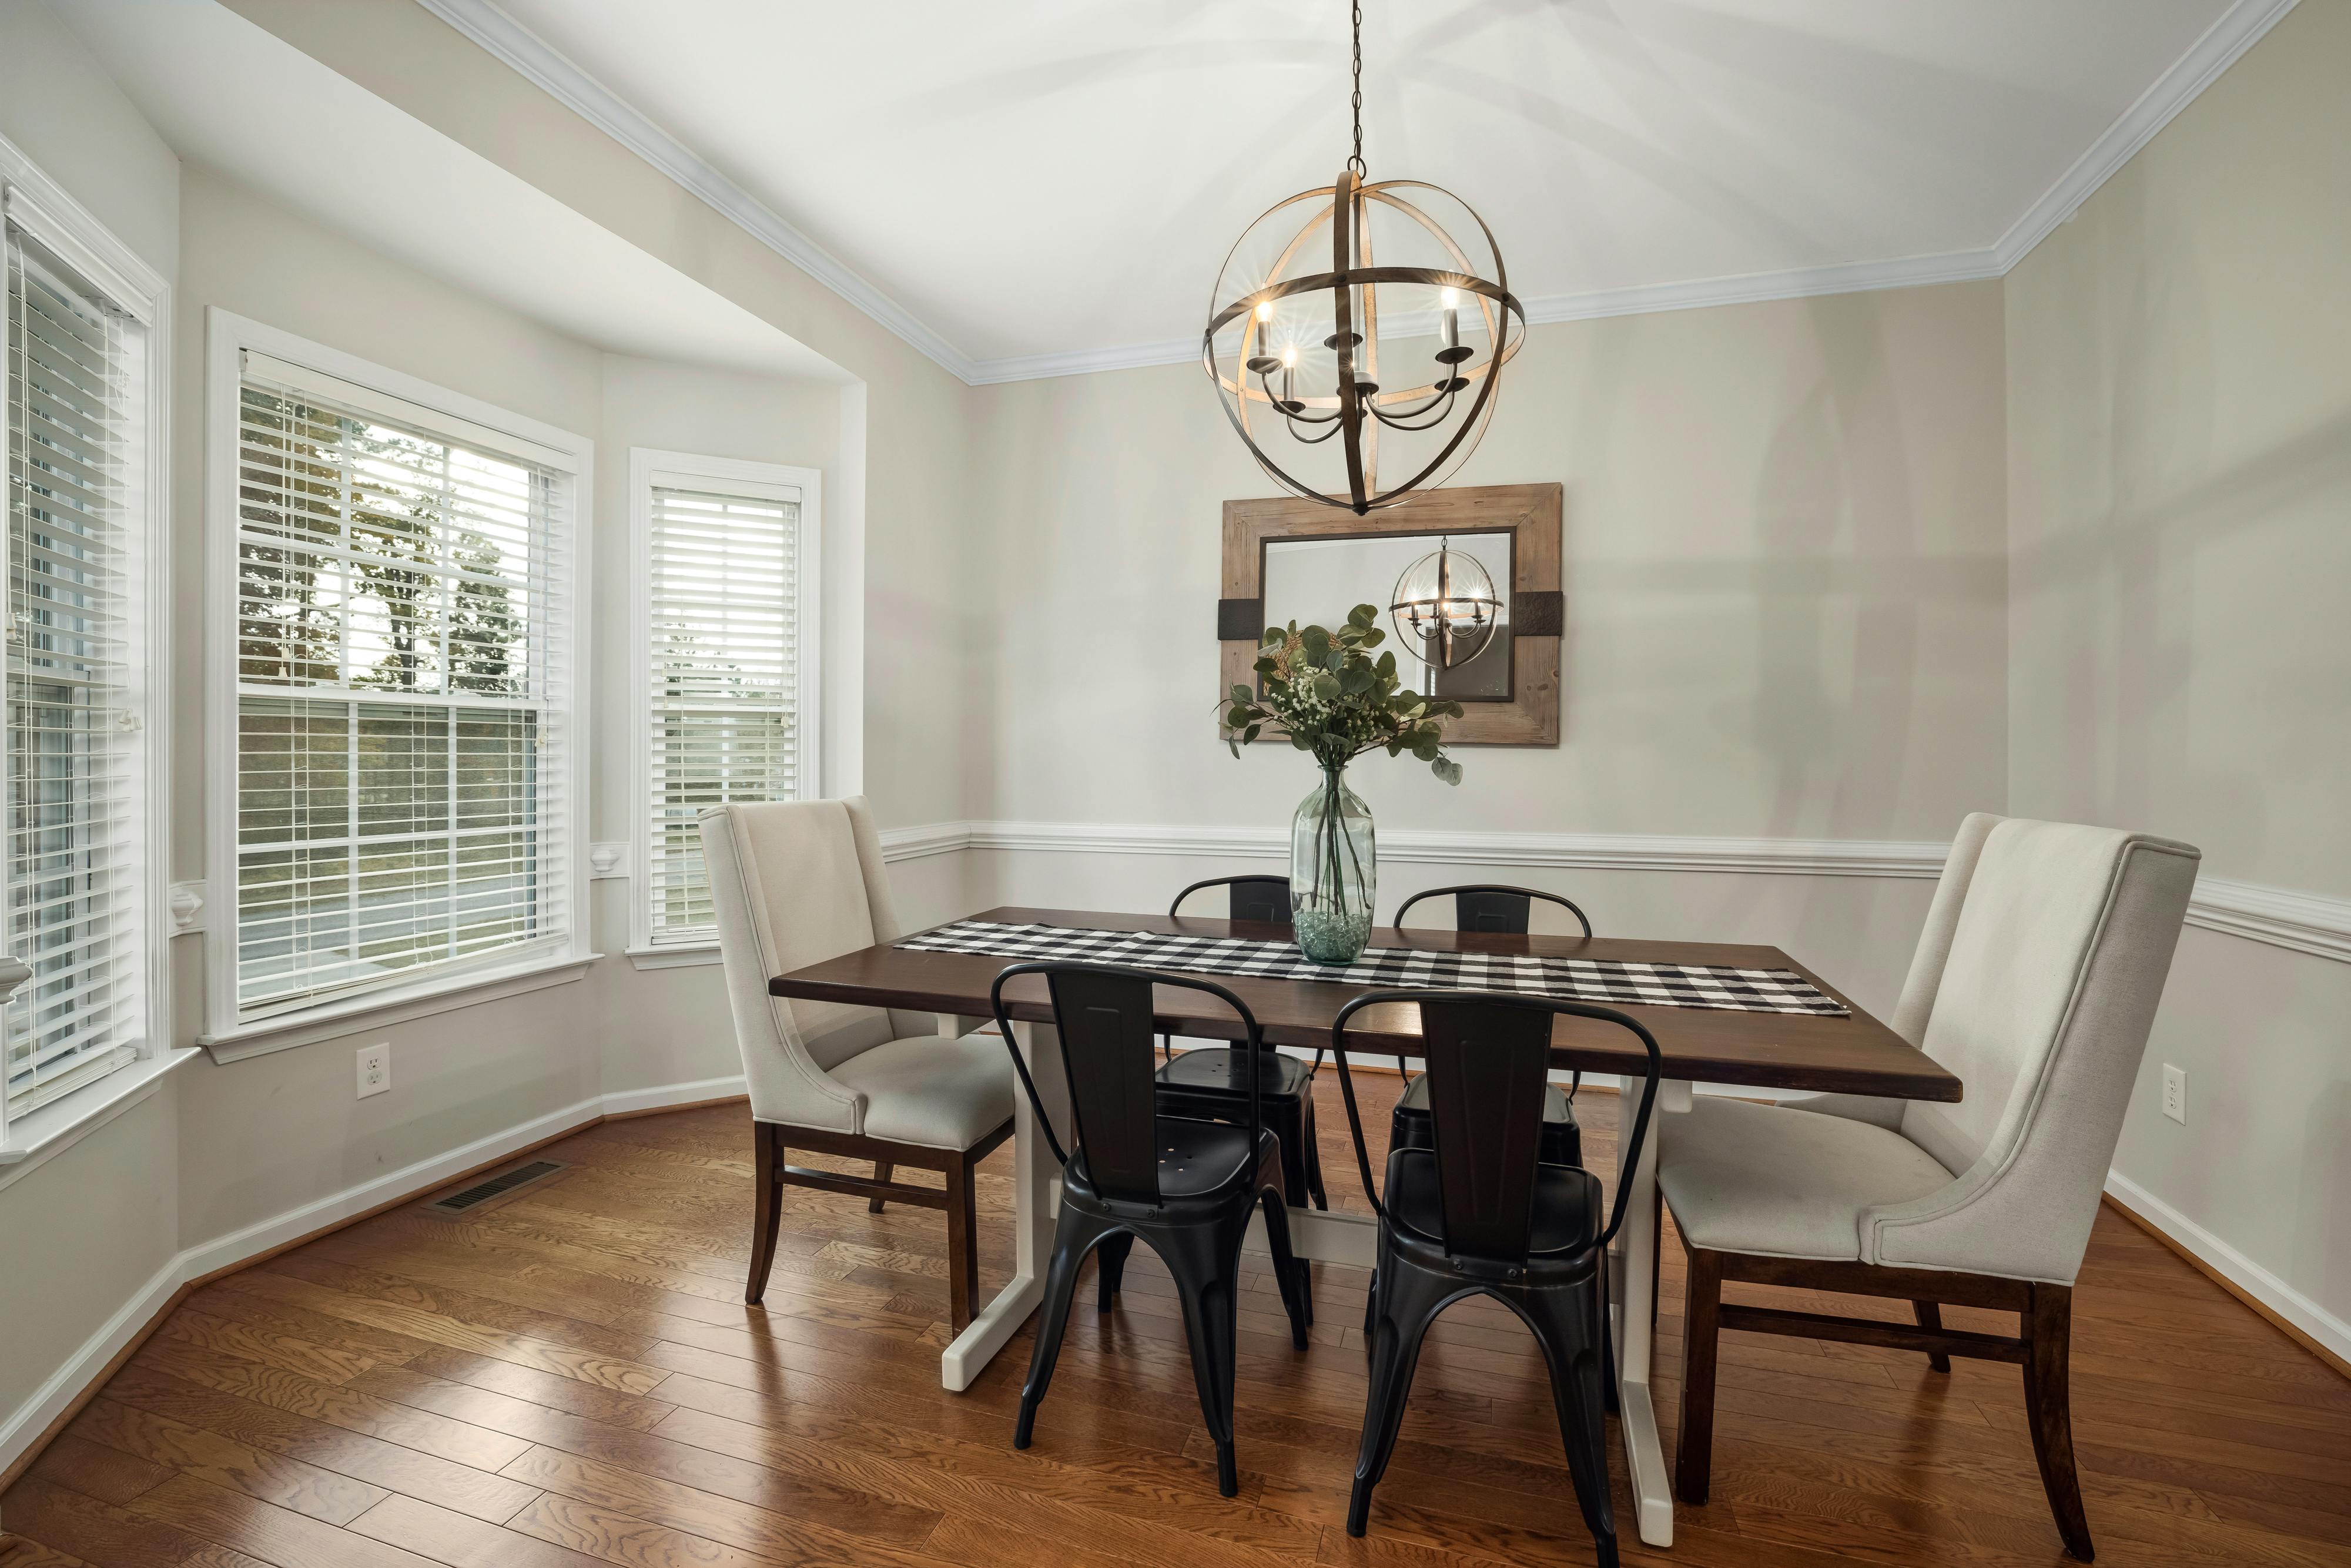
1316, 580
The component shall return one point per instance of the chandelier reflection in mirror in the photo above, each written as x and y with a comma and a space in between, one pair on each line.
1358, 331
1445, 608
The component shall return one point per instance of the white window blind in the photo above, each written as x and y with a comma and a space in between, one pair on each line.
401, 747
74, 796
724, 681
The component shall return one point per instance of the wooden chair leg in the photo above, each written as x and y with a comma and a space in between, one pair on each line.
882, 1169
1930, 1317
963, 1246
2048, 1326
1701, 1327
767, 1162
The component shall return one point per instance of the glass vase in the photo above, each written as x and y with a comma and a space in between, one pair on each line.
1331, 871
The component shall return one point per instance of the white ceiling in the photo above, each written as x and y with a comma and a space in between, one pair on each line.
191, 67
1030, 185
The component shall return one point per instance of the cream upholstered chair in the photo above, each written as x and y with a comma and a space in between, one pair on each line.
797, 883
2035, 983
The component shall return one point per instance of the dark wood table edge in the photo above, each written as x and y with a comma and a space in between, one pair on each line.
1183, 1014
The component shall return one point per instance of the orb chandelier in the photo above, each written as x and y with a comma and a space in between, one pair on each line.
1445, 608
1362, 327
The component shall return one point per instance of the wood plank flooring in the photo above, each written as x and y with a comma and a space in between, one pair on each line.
568, 1377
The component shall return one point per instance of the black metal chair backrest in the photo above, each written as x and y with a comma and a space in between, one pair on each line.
1263, 898
1488, 1058
1485, 907
1104, 1015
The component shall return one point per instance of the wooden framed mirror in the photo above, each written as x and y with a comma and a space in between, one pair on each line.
1289, 559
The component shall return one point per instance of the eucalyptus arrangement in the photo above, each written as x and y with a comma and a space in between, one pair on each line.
1328, 695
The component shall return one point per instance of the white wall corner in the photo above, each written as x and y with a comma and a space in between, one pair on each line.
610, 860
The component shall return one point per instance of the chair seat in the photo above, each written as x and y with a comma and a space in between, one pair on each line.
1223, 1070
1566, 1203
933, 1091
1411, 1127
1196, 1159
1784, 1182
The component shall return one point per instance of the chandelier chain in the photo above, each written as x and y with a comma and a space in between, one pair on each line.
1356, 103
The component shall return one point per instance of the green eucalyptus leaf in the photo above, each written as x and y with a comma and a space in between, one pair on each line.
1265, 667
1387, 666
1301, 742
1448, 770
1326, 686
1251, 734
1354, 679
1274, 637
1236, 717
1362, 615
1242, 694
1315, 642
1373, 637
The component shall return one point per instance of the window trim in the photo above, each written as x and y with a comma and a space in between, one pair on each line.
226, 337
649, 466
47, 211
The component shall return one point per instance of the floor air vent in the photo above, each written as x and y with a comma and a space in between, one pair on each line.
498, 1186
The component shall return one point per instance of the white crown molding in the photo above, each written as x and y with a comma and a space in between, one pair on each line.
547, 69
2237, 30
2299, 922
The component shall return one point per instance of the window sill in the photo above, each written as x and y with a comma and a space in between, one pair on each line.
39, 1136
379, 1010
674, 955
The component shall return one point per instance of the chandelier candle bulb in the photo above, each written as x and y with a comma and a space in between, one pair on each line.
1451, 335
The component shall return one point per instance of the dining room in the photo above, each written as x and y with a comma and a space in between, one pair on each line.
1294, 782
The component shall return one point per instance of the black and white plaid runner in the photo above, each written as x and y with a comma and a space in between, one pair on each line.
1575, 979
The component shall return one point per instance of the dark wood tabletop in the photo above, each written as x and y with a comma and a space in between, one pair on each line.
1853, 1055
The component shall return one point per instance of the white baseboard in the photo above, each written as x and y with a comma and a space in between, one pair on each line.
25, 1424
2256, 1281
29, 1420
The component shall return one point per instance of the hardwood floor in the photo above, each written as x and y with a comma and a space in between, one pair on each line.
568, 1377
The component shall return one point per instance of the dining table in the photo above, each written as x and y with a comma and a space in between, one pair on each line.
1769, 1053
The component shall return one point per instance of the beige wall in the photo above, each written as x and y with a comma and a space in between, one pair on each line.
2180, 506
60, 106
1783, 574
1786, 610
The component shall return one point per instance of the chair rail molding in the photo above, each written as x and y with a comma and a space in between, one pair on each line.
2313, 923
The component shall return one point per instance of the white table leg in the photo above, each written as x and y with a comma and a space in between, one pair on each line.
1033, 1179
1630, 1264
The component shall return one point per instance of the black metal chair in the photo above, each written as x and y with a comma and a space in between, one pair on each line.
1208, 1082
1187, 1187
1480, 1213
1485, 907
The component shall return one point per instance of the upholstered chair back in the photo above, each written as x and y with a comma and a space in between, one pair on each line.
2048, 985
1934, 950
796, 882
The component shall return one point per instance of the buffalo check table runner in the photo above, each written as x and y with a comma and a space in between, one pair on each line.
1715, 987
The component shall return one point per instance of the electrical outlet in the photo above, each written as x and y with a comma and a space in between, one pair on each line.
2175, 1094
375, 1068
